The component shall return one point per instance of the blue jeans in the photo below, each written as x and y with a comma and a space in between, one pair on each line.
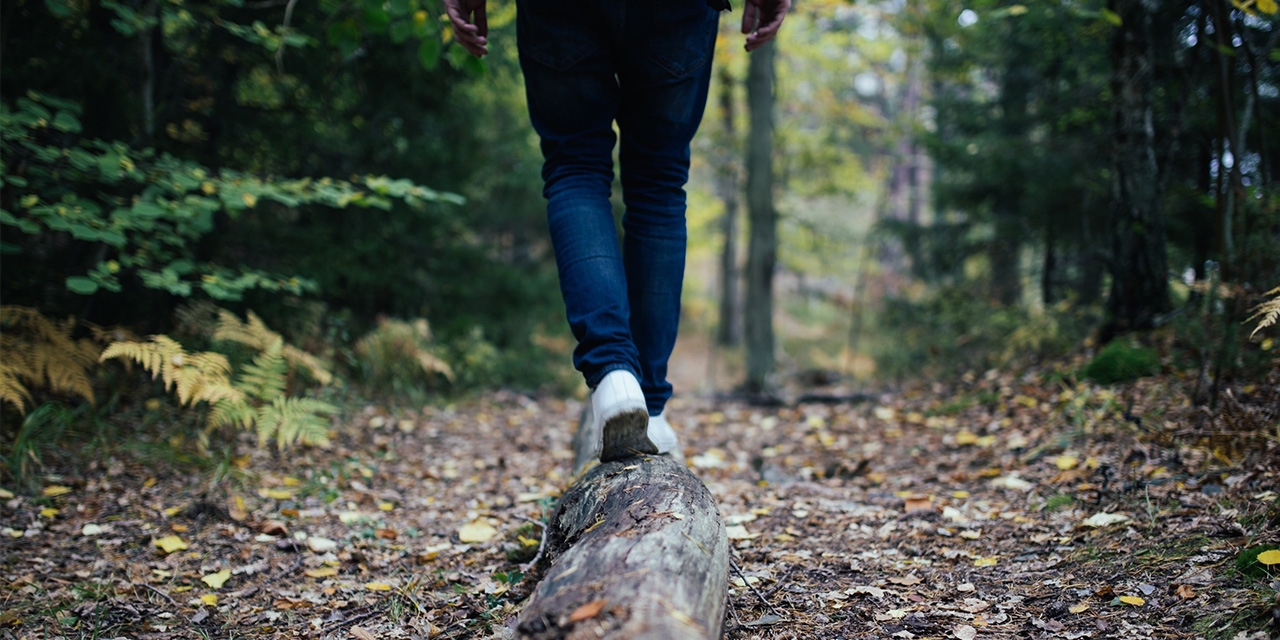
645, 64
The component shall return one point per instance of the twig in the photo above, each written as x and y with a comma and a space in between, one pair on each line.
352, 620
542, 544
754, 589
284, 31
781, 581
161, 593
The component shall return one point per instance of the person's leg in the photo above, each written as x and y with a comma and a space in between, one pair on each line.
664, 82
573, 99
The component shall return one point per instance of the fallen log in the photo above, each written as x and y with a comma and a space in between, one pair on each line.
638, 550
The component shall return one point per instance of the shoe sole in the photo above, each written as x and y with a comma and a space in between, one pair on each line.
626, 435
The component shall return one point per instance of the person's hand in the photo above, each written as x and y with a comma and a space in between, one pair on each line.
470, 25
761, 20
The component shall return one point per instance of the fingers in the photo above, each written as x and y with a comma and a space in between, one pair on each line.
771, 20
750, 13
472, 37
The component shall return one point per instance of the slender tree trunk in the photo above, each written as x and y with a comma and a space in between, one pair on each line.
730, 330
1006, 246
763, 243
1139, 287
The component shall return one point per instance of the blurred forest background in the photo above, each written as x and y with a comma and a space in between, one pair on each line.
276, 207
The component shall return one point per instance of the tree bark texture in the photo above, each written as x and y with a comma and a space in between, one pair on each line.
729, 332
1139, 287
762, 245
639, 551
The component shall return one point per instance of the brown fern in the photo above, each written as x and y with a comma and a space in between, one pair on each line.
256, 334
1267, 312
41, 353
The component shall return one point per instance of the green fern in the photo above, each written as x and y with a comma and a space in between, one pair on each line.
264, 378
256, 334
289, 420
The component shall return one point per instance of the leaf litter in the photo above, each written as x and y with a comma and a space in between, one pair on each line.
999, 507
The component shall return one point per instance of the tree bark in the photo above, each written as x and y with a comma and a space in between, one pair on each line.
763, 242
1139, 287
729, 332
638, 551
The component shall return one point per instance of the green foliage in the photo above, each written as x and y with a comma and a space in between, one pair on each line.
1247, 562
41, 438
146, 211
1120, 361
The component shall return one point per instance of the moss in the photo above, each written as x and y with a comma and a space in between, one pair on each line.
1247, 562
1121, 362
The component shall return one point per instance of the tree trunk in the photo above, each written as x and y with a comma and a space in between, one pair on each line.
1139, 287
729, 332
1005, 250
763, 243
638, 551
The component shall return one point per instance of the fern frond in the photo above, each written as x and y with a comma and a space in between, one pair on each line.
1268, 312
290, 420
12, 391
196, 377
232, 412
42, 352
255, 333
264, 378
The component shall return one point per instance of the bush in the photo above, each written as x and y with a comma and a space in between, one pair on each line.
1121, 362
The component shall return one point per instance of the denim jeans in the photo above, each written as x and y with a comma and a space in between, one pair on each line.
645, 64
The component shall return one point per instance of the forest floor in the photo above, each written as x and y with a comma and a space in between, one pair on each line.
1003, 506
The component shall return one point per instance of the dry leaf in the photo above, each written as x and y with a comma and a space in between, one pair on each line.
55, 490
477, 532
966, 438
361, 634
91, 529
985, 562
1133, 600
322, 572
1079, 608
1066, 463
210, 599
1104, 519
918, 503
1185, 592
739, 532
965, 632
169, 544
273, 528
216, 580
321, 545
377, 586
907, 581
586, 611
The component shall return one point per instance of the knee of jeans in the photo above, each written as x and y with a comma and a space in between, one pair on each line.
666, 222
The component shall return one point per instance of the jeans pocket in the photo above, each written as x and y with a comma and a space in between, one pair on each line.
684, 40
550, 33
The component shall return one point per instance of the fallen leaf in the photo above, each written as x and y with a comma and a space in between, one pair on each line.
1104, 519
1269, 557
48, 512
361, 634
6, 494
237, 510
386, 506
966, 438
216, 580
91, 529
1133, 600
739, 532
321, 545
55, 490
169, 544
965, 632
586, 611
985, 562
210, 599
1079, 608
1012, 481
477, 532
918, 503
277, 494
1066, 463
322, 572
907, 581
1185, 592
377, 586
273, 528
179, 528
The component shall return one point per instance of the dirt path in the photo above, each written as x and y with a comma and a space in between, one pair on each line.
1000, 510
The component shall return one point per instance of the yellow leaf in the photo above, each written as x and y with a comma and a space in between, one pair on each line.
985, 562
1269, 557
48, 512
527, 542
55, 490
216, 580
386, 506
291, 481
1079, 608
1066, 463
377, 586
169, 544
249, 199
210, 599
149, 482
277, 494
322, 572
966, 437
1133, 600
960, 495
1017, 10
172, 511
477, 532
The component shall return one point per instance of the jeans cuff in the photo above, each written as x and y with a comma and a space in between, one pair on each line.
609, 368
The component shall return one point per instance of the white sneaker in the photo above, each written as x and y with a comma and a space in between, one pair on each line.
621, 416
662, 435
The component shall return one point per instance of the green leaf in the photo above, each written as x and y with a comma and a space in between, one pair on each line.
400, 31
81, 285
429, 53
1112, 17
66, 122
